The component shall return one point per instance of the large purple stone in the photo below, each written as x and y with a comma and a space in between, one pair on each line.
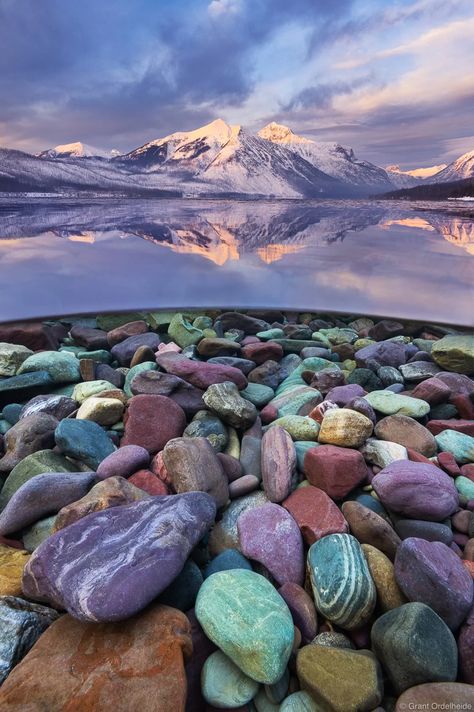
109, 565
416, 490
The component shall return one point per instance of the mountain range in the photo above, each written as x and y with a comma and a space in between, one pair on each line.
216, 160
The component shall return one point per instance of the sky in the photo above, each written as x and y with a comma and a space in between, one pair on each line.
393, 79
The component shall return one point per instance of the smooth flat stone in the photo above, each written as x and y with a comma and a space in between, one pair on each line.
315, 513
390, 403
224, 685
63, 367
83, 440
345, 428
278, 462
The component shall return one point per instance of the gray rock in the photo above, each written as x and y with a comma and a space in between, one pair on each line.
225, 401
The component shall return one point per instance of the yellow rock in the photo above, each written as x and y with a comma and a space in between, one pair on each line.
12, 563
383, 574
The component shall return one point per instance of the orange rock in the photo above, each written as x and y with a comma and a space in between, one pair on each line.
469, 566
136, 664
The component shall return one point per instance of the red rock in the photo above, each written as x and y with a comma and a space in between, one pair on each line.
336, 470
368, 527
468, 471
35, 336
415, 456
133, 328
464, 405
158, 468
200, 373
469, 565
76, 666
150, 421
268, 414
148, 482
460, 520
460, 426
315, 513
13, 543
468, 552
318, 412
261, 352
448, 463
250, 340
278, 463
433, 391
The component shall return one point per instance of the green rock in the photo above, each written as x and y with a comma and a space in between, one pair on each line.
455, 353
390, 403
362, 343
182, 332
85, 390
424, 344
224, 685
83, 440
162, 319
37, 533
134, 371
271, 334
302, 447
258, 394
465, 486
290, 402
338, 336
300, 427
458, 444
202, 322
242, 613
36, 464
99, 356
261, 703
62, 366
225, 401
11, 358
414, 646
314, 363
107, 322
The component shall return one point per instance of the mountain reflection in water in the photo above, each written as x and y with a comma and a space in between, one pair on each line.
358, 256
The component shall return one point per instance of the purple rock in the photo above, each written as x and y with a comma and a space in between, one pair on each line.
125, 350
278, 463
457, 382
360, 405
165, 384
43, 495
429, 572
109, 565
124, 462
57, 406
430, 531
383, 353
270, 535
416, 490
200, 374
342, 395
302, 610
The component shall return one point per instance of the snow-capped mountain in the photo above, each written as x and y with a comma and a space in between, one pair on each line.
228, 159
76, 150
331, 158
402, 179
462, 167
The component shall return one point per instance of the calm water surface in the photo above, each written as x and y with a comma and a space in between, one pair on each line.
62, 257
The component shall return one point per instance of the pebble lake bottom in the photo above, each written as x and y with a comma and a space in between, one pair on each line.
254, 510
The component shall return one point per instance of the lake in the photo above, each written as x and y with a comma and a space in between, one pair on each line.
60, 256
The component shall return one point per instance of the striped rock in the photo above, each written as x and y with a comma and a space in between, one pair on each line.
111, 564
278, 463
343, 588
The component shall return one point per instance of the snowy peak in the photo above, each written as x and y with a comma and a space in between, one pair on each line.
462, 167
417, 172
74, 150
278, 133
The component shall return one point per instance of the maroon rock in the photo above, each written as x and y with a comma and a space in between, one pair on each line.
466, 649
457, 382
368, 527
302, 610
231, 466
200, 373
468, 471
318, 412
415, 456
269, 535
30, 434
429, 572
335, 470
89, 338
202, 648
278, 463
341, 395
268, 374
315, 513
326, 380
464, 405
448, 463
385, 329
262, 352
123, 462
416, 490
148, 482
248, 324
125, 350
150, 421
460, 426
133, 328
35, 335
243, 485
433, 391
181, 392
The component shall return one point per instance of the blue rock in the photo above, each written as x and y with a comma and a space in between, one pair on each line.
226, 561
83, 440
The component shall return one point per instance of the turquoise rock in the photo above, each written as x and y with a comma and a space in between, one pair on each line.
11, 413
83, 440
63, 367
134, 371
299, 702
226, 561
390, 403
182, 592
271, 334
85, 390
99, 356
465, 486
4, 426
343, 589
224, 685
455, 353
258, 394
183, 332
302, 447
300, 427
66, 390
20, 388
458, 444
38, 463
72, 349
292, 401
242, 613
37, 533
314, 363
